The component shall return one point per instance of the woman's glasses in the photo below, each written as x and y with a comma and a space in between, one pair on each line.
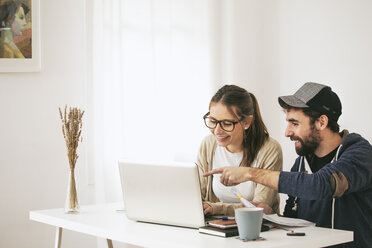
212, 123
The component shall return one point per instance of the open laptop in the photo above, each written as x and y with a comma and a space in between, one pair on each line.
162, 193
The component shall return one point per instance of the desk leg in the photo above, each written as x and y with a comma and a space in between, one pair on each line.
58, 237
109, 243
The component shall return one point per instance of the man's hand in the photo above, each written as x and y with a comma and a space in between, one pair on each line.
231, 176
207, 208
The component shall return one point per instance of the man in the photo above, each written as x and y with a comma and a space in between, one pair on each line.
330, 182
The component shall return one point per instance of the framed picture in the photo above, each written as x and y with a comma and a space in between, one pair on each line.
19, 36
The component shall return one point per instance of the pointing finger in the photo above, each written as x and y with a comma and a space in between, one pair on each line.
215, 171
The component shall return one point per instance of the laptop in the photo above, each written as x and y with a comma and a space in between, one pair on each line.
163, 193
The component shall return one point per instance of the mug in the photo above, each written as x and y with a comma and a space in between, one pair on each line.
249, 221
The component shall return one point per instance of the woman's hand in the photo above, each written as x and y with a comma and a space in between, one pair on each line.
207, 208
267, 208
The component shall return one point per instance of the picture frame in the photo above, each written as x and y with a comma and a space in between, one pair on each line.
27, 40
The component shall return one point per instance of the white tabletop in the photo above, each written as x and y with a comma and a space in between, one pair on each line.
104, 221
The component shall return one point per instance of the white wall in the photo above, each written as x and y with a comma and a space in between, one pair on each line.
33, 161
273, 47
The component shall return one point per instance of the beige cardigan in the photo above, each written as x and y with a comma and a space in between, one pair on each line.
270, 157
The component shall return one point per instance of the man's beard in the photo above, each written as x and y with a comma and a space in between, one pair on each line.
309, 144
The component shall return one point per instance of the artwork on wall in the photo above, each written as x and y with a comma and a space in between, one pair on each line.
19, 36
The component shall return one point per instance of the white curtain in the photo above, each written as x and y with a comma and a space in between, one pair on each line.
151, 83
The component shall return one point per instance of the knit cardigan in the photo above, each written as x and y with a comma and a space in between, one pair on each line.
269, 157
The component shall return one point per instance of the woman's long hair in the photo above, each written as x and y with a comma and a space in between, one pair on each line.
245, 104
8, 11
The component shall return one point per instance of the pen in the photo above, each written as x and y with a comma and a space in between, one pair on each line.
281, 227
245, 202
291, 232
227, 218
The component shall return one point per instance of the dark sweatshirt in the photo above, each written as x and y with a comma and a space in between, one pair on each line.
314, 192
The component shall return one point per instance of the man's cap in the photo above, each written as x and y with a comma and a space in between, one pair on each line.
317, 97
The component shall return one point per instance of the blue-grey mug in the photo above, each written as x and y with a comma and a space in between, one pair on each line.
249, 221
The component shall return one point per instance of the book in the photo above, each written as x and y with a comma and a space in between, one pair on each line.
224, 224
229, 232
285, 221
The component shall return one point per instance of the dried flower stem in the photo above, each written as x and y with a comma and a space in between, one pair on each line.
71, 129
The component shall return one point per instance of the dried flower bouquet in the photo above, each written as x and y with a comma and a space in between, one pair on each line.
71, 128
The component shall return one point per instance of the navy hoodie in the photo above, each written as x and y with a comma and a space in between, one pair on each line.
353, 210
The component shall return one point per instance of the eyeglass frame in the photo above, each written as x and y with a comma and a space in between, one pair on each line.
219, 122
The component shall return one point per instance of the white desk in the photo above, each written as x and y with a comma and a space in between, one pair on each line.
105, 222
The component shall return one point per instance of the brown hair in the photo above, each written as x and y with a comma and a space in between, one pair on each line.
245, 104
313, 115
8, 11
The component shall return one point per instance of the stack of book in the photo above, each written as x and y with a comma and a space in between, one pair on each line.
222, 227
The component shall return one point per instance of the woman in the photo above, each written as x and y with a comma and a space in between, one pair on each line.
12, 23
239, 138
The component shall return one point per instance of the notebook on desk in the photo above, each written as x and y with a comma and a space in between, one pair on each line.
162, 193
